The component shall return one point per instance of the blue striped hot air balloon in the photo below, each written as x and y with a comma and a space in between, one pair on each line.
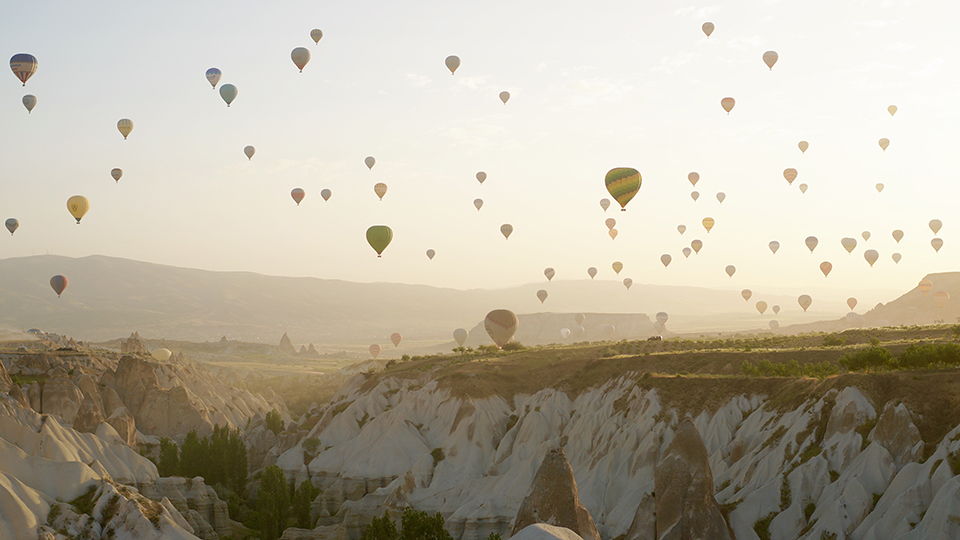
23, 66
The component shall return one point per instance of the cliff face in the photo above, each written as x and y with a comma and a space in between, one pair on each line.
822, 465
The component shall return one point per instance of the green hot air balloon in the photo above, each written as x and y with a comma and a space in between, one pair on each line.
623, 183
229, 93
379, 237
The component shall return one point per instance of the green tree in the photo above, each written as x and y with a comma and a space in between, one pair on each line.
382, 528
169, 463
418, 525
305, 495
193, 454
273, 503
274, 422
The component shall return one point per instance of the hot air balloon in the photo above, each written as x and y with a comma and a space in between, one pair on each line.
375, 350
925, 286
116, 173
803, 145
665, 259
161, 354
213, 76
686, 252
579, 318
369, 161
460, 335
478, 203
396, 338
825, 267
504, 97
617, 267
804, 300
935, 225
78, 205
892, 110
803, 188
23, 66
694, 195
937, 243
379, 237
452, 63
696, 245
708, 223
564, 333
610, 223
707, 28
501, 325
774, 246
770, 58
592, 272
59, 283
300, 57
607, 331
298, 195
326, 193
865, 235
229, 93
125, 126
249, 151
316, 35
776, 309
811, 243
871, 256
12, 225
506, 230
549, 273
746, 294
380, 189
627, 282
774, 325
431, 254
941, 298
721, 196
761, 306
29, 101
896, 258
898, 235
727, 103
623, 183
693, 177
884, 143
730, 270
851, 303
613, 233
681, 229
879, 188
848, 244
604, 203
790, 175
662, 318
481, 176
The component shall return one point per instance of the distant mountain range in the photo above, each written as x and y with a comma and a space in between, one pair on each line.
110, 297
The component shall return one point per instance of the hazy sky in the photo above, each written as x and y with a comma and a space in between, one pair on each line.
594, 86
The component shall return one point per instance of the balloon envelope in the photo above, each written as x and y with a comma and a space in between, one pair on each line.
23, 66
665, 259
300, 57
686, 252
825, 267
811, 243
504, 97
761, 306
681, 229
896, 258
452, 63
59, 283
564, 333
776, 309
326, 193
662, 318
774, 325
770, 58
790, 175
549, 273
617, 267
542, 295
898, 235
610, 223
249, 151
229, 93
379, 237
380, 189
213, 76
161, 354
116, 173
879, 188
935, 225
623, 183
506, 230
941, 298
501, 325
78, 205
707, 28
693, 177
431, 254
579, 318
12, 225
613, 233
746, 294
481, 176
803, 188
696, 245
884, 143
708, 223
369, 161
316, 35
892, 110
298, 195
851, 303
460, 335
727, 103
937, 243
803, 145
848, 244
592, 272
925, 286
125, 126
478, 203
29, 101
721, 196
730, 270
375, 350
694, 195
871, 256
604, 203
396, 338
774, 246
804, 300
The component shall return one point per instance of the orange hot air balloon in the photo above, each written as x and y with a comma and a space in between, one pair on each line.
825, 267
925, 286
59, 283
375, 350
804, 300
613, 233
746, 294
941, 298
851, 303
708, 223
727, 103
396, 338
501, 325
790, 175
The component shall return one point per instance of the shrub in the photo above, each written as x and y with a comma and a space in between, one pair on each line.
871, 357
926, 355
438, 455
833, 340
382, 528
762, 526
512, 346
274, 422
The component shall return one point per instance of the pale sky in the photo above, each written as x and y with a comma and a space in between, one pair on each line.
619, 84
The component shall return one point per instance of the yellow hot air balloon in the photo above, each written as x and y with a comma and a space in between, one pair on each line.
925, 286
161, 354
613, 233
316, 35
851, 303
506, 230
452, 63
300, 57
681, 229
549, 273
896, 258
501, 325
770, 58
884, 143
803, 145
380, 189
727, 103
892, 110
746, 294
617, 267
937, 243
898, 235
592, 272
941, 298
708, 223
761, 306
935, 225
790, 175
665, 259
504, 97
623, 183
627, 282
871, 256
125, 126
707, 28
774, 246
804, 300
730, 270
825, 267
811, 243
542, 295
696, 245
848, 244
879, 188
78, 205
693, 177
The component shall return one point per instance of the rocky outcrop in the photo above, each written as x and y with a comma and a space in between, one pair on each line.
133, 345
286, 346
133, 379
5, 381
172, 413
61, 397
17, 394
897, 433
196, 501
543, 531
123, 422
89, 417
553, 499
685, 505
